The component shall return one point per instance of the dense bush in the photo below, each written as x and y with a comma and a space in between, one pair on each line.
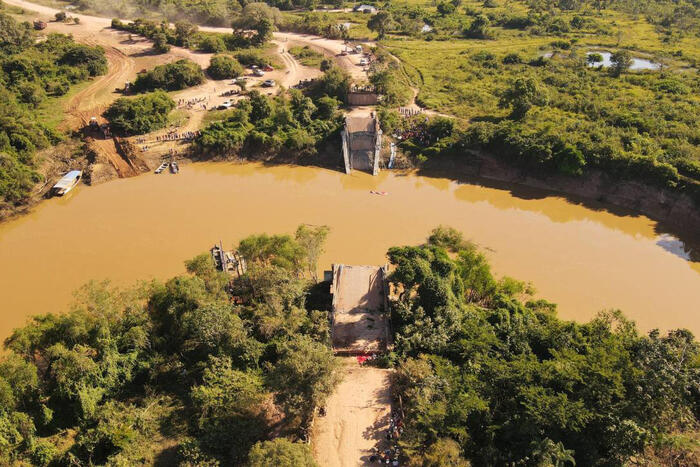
320, 24
139, 115
288, 125
224, 67
30, 74
511, 384
91, 58
211, 367
170, 77
334, 82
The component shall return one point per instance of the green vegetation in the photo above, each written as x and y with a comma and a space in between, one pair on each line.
256, 17
484, 62
390, 80
34, 75
139, 115
307, 56
199, 370
224, 67
170, 77
279, 452
487, 373
319, 24
288, 125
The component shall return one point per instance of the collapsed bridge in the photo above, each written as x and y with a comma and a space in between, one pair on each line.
359, 322
362, 144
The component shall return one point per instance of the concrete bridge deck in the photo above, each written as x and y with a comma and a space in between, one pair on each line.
359, 321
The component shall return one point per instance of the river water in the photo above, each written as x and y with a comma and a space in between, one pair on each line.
584, 259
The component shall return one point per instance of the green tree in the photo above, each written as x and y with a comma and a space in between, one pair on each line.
444, 452
140, 115
212, 44
14, 36
620, 61
307, 371
92, 58
170, 77
261, 107
522, 94
160, 43
224, 67
479, 28
312, 239
281, 452
380, 22
594, 58
185, 33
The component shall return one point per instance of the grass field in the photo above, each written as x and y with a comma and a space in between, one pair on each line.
307, 56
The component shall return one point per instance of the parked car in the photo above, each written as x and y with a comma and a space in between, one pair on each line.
258, 72
268, 83
364, 61
268, 68
225, 105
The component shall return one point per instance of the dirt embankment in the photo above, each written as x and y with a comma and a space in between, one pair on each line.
675, 210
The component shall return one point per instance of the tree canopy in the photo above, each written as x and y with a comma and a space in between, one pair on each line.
489, 375
213, 365
32, 75
170, 77
141, 114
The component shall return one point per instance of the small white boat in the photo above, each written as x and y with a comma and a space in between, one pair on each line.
67, 183
174, 168
162, 167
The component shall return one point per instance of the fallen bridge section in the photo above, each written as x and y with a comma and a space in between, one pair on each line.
360, 324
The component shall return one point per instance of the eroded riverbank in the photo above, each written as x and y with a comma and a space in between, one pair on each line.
143, 227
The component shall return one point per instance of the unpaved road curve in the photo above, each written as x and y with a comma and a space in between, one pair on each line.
330, 46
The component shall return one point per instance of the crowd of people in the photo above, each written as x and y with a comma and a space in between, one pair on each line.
409, 111
172, 135
417, 130
391, 455
175, 135
198, 102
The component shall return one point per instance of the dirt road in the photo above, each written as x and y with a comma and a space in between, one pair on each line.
330, 46
357, 417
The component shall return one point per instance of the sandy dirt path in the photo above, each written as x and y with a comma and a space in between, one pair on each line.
331, 46
357, 417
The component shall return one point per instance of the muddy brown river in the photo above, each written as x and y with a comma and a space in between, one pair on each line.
585, 259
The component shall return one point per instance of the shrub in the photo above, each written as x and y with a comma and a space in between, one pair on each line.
212, 44
281, 452
170, 77
224, 67
512, 58
139, 115
92, 58
252, 57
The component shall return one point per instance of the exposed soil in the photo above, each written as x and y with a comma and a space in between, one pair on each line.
357, 417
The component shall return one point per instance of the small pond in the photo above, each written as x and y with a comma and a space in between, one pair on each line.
637, 63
